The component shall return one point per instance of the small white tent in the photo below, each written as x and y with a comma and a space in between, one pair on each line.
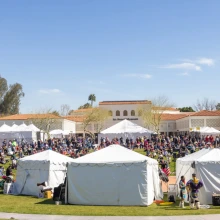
58, 133
32, 127
18, 132
207, 131
125, 129
5, 128
211, 131
206, 166
46, 166
113, 176
14, 126
183, 165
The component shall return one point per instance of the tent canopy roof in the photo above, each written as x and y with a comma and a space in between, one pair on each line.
114, 154
5, 127
213, 155
126, 126
48, 155
192, 157
33, 127
204, 155
207, 130
22, 127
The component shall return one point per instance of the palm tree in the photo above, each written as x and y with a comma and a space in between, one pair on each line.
92, 98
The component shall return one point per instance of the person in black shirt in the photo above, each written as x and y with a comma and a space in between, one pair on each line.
9, 171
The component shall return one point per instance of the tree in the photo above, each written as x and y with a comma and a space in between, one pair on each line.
64, 110
152, 114
96, 116
205, 104
218, 107
3, 88
55, 113
186, 109
85, 106
44, 119
10, 97
92, 98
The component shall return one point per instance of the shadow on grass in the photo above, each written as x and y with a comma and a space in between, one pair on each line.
48, 202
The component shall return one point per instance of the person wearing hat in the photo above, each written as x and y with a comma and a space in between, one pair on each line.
182, 187
193, 187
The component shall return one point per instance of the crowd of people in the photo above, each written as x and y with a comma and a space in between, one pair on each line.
163, 148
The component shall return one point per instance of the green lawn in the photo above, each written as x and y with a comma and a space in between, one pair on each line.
31, 205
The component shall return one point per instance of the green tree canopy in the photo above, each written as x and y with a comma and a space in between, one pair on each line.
10, 97
218, 107
55, 113
186, 109
92, 98
87, 105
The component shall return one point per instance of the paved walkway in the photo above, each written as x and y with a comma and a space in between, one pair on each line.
172, 180
60, 217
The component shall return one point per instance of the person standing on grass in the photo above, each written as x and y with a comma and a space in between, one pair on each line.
182, 187
193, 186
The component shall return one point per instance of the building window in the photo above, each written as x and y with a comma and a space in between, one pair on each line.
132, 113
110, 113
125, 113
117, 113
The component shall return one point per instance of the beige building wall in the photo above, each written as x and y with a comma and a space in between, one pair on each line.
114, 119
198, 121
183, 124
168, 126
69, 125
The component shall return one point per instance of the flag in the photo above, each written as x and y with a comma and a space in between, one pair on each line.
167, 171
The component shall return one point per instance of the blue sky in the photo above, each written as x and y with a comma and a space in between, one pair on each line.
62, 51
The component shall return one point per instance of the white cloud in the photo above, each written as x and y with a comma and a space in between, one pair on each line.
142, 76
49, 91
206, 61
186, 66
184, 74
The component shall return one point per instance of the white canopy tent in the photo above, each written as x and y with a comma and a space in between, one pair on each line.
183, 165
47, 166
14, 126
19, 132
5, 128
206, 166
58, 133
23, 132
113, 176
125, 129
33, 128
206, 131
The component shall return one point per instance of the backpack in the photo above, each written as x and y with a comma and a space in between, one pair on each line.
171, 198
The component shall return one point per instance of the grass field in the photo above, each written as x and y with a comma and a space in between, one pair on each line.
31, 205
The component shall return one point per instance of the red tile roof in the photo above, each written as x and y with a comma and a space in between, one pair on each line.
207, 113
29, 116
75, 118
165, 108
125, 102
172, 117
82, 110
